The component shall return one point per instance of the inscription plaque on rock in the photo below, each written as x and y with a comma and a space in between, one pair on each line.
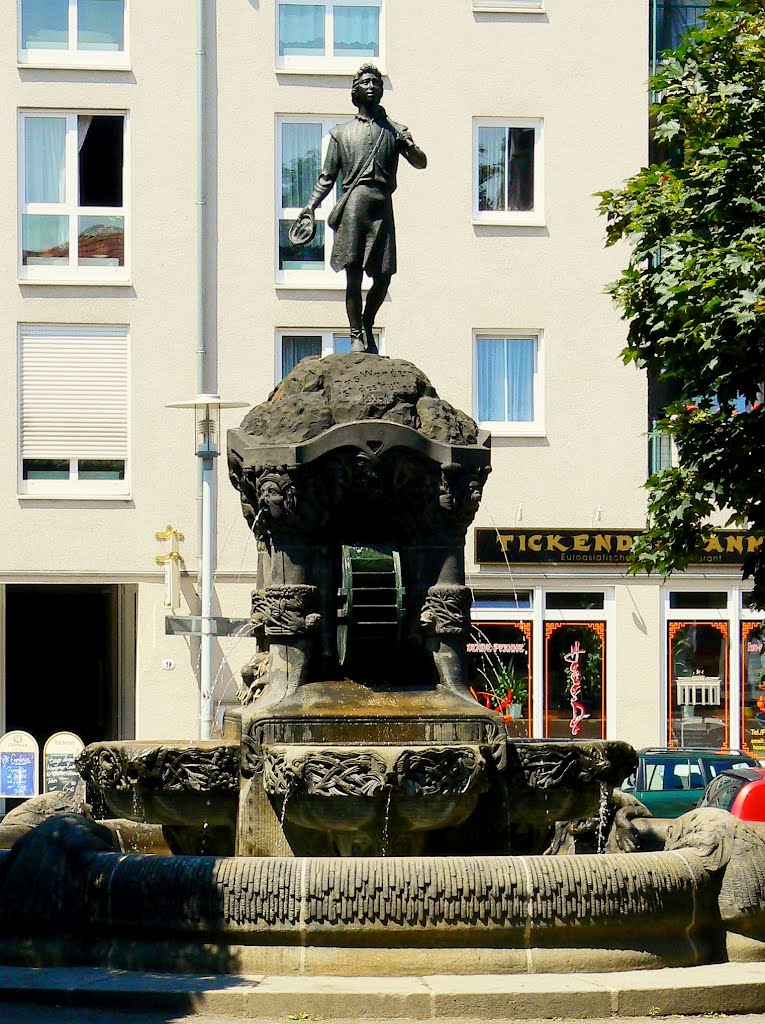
19, 771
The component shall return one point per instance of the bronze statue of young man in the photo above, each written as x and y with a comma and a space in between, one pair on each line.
366, 151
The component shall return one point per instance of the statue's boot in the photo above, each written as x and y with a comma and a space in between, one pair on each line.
357, 341
370, 343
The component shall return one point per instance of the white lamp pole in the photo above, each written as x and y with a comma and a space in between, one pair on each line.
207, 422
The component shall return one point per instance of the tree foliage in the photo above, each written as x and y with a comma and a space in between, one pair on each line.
694, 289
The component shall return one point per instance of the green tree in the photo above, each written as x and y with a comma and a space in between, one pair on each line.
694, 289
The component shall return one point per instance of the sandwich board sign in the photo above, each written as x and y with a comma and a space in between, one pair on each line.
19, 765
59, 772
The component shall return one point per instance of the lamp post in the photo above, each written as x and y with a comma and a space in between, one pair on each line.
207, 442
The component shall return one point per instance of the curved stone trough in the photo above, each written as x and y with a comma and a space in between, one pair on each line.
64, 900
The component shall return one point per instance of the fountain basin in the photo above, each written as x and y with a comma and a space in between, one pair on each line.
191, 788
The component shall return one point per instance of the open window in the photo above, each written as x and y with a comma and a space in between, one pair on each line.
72, 203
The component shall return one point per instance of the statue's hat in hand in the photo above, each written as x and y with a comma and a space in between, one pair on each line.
304, 228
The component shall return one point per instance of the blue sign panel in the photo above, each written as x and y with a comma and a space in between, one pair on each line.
17, 774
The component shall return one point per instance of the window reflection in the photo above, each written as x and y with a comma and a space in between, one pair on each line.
698, 684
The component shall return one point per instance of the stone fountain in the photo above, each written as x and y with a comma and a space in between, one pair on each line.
362, 813
357, 734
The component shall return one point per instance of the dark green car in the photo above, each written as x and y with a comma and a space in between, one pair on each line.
671, 782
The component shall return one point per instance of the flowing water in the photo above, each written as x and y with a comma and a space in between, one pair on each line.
603, 819
386, 825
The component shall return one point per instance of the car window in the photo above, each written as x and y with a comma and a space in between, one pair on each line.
654, 775
669, 774
722, 792
715, 767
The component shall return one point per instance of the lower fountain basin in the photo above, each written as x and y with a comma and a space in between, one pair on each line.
191, 788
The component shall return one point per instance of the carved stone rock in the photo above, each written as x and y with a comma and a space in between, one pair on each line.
446, 611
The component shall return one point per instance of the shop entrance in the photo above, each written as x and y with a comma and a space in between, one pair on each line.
69, 659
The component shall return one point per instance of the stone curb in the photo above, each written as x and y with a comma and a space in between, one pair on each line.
721, 988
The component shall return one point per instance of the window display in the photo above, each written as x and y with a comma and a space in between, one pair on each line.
575, 680
697, 699
499, 671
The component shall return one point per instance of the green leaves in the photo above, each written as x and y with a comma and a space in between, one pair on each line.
694, 289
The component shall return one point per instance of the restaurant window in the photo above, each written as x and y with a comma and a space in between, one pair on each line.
698, 683
500, 671
753, 687
73, 33
508, 171
575, 680
73, 197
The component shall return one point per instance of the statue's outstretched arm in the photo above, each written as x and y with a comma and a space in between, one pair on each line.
327, 178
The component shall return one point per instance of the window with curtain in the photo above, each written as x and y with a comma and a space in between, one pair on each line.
507, 386
337, 33
73, 32
508, 172
73, 383
302, 146
72, 205
294, 346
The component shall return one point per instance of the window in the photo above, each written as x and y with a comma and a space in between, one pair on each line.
509, 6
508, 172
72, 197
292, 346
73, 383
302, 147
508, 383
575, 680
73, 33
333, 36
697, 691
672, 19
499, 671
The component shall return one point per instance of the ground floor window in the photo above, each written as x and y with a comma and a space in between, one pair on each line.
575, 680
698, 676
753, 687
499, 666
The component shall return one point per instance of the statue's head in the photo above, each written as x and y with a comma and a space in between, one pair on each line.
367, 85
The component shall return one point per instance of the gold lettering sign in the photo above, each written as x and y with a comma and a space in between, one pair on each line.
595, 547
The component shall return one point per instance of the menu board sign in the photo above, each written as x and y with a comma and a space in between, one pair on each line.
59, 772
19, 772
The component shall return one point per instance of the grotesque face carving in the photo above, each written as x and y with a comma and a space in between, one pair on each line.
272, 497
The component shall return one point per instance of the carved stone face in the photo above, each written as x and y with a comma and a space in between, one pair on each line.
271, 499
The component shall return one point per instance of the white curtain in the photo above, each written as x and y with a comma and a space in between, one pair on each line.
296, 347
491, 380
301, 162
492, 150
520, 379
506, 369
301, 30
357, 31
84, 122
45, 159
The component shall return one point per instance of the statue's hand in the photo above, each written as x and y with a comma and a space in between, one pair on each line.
304, 228
405, 138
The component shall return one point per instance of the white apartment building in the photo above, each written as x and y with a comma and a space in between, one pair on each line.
525, 109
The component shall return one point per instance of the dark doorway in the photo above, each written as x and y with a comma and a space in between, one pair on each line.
61, 661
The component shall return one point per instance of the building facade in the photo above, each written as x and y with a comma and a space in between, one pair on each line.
524, 112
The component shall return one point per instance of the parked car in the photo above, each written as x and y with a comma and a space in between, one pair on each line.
740, 791
671, 781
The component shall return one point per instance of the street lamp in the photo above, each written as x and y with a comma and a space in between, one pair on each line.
207, 441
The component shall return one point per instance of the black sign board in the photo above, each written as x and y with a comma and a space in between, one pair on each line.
516, 546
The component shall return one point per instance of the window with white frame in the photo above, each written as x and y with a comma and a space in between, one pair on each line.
508, 171
508, 382
294, 345
72, 202
332, 36
509, 6
73, 403
302, 143
73, 33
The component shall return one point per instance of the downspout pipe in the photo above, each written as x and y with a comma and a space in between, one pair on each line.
206, 490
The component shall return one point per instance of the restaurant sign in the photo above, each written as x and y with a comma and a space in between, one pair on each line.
590, 547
